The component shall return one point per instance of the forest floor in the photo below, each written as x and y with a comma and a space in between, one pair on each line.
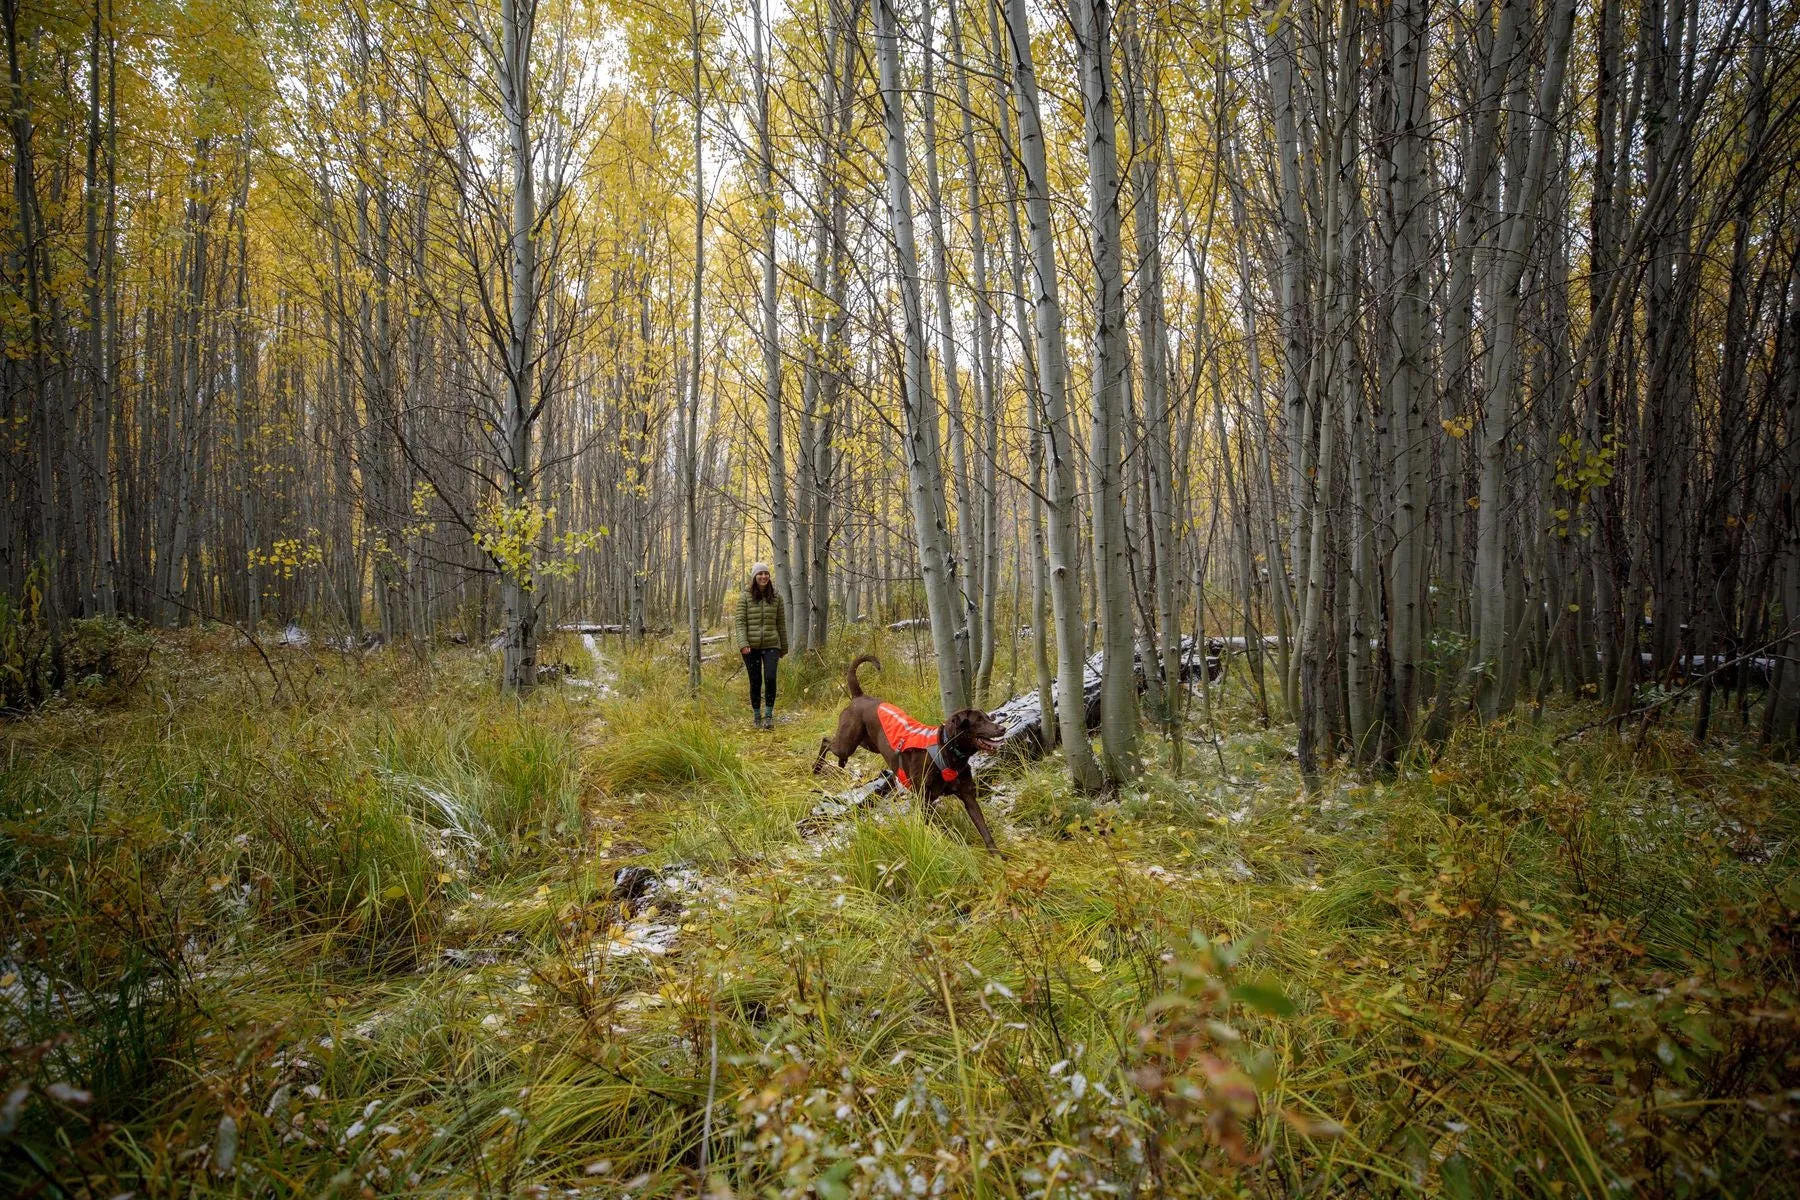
329, 924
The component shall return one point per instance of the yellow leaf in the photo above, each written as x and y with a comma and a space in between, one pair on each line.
393, 892
1095, 965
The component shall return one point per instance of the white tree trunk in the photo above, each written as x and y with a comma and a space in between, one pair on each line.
1316, 689
779, 532
987, 563
1408, 384
690, 418
964, 580
1040, 595
517, 598
1293, 297
924, 466
1146, 166
1064, 539
1118, 688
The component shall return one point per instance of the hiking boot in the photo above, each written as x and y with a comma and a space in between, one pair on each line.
769, 717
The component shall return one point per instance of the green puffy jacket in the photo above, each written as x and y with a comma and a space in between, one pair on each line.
761, 624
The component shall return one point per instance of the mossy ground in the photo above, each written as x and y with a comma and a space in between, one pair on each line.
354, 935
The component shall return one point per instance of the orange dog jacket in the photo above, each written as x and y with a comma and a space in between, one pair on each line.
904, 733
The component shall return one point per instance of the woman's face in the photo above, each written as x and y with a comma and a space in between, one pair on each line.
762, 579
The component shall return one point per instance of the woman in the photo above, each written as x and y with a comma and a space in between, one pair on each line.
762, 639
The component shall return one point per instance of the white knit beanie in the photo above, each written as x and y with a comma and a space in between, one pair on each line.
758, 569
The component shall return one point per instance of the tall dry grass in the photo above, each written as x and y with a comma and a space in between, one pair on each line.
364, 941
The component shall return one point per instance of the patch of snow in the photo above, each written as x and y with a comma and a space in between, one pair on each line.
601, 683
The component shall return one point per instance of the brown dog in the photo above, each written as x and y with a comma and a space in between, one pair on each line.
932, 761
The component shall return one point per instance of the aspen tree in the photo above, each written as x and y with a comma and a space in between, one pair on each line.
963, 580
769, 205
512, 70
690, 417
1062, 541
1118, 692
924, 465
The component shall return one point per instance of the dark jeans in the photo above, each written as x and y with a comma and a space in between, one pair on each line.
761, 665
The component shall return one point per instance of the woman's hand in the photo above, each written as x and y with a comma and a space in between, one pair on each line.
743, 649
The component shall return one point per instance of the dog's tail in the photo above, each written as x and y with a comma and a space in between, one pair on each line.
850, 676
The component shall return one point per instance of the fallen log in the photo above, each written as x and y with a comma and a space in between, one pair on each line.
1240, 643
1732, 672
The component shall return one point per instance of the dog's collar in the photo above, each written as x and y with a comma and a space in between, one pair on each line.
946, 757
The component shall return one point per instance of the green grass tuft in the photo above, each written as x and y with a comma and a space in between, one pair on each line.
907, 856
673, 751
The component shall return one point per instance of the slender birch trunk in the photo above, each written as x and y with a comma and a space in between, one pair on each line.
690, 417
1408, 383
1315, 685
517, 597
1518, 224
1064, 541
769, 200
1118, 690
840, 94
1293, 297
188, 406
1280, 595
1034, 436
923, 464
101, 597
1146, 168
963, 579
986, 563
